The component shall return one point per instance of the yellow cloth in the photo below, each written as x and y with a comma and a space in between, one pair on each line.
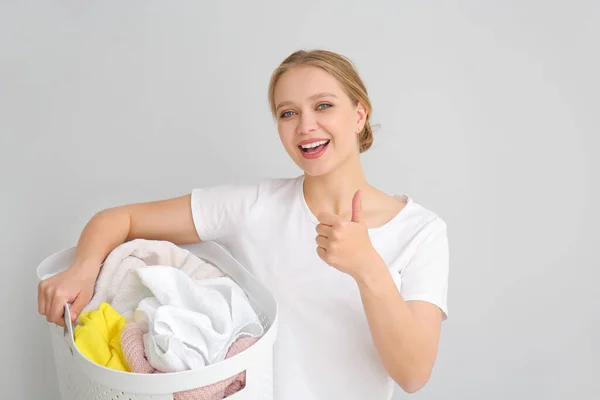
99, 337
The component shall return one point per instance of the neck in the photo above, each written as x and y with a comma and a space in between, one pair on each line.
333, 191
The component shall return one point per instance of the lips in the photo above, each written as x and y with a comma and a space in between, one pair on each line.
314, 145
314, 148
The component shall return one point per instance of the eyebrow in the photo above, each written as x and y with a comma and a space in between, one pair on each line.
313, 97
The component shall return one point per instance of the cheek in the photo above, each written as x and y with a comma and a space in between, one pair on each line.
339, 125
282, 128
286, 133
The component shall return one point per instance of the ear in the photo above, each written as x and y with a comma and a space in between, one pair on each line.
361, 116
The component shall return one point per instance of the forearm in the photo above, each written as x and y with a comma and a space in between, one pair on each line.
105, 231
401, 341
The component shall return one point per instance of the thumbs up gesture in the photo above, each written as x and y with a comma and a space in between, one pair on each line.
343, 244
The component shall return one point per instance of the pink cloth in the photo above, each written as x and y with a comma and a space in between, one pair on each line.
132, 344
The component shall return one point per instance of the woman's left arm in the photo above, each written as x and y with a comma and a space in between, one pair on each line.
405, 333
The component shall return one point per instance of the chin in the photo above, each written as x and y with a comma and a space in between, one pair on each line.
317, 169
314, 173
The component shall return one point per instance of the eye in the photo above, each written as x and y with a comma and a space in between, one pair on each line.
286, 114
324, 106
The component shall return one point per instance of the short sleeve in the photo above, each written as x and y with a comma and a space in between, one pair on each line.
219, 211
425, 276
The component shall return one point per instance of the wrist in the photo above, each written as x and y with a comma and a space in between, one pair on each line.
373, 273
87, 266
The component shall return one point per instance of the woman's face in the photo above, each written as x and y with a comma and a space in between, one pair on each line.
317, 122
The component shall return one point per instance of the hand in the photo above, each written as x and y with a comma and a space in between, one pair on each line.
74, 285
343, 244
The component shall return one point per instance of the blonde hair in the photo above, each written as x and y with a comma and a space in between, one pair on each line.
342, 69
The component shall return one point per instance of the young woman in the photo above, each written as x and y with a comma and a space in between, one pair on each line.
360, 276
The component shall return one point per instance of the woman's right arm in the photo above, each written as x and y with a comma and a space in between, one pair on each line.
169, 220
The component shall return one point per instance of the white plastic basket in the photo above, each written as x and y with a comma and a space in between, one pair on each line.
82, 379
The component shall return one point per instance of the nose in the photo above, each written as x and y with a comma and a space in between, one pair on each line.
307, 123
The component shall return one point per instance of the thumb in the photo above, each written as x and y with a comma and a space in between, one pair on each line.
78, 304
357, 207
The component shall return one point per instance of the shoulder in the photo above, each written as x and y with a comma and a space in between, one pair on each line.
272, 186
416, 215
425, 234
415, 226
220, 210
424, 262
424, 218
249, 193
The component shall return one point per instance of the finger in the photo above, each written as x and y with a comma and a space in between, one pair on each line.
41, 299
322, 241
78, 305
357, 207
48, 294
322, 253
56, 311
328, 218
324, 230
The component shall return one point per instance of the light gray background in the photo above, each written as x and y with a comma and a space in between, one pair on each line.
488, 113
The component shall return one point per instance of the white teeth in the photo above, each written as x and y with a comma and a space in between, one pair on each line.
315, 144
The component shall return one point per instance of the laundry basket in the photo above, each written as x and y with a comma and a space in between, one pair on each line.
82, 379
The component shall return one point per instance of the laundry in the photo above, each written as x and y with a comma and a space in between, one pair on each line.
141, 253
99, 337
162, 309
187, 323
132, 344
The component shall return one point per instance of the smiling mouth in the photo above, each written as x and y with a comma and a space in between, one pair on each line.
314, 147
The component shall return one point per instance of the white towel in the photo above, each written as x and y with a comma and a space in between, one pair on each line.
189, 323
141, 253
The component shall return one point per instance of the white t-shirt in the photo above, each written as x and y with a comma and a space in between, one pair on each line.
324, 348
